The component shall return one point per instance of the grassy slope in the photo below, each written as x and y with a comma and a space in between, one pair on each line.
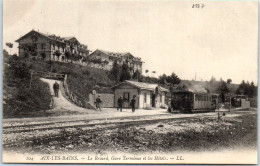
19, 100
81, 79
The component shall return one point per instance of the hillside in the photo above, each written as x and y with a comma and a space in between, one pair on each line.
81, 79
19, 98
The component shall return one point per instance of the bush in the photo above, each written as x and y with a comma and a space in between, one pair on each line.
23, 99
85, 72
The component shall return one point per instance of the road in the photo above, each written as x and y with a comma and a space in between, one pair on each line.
60, 102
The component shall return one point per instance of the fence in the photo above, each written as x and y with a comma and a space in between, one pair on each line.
74, 98
48, 74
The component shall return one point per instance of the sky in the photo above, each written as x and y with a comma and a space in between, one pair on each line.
217, 40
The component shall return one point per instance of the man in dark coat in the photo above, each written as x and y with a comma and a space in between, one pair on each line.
132, 103
120, 103
98, 103
56, 89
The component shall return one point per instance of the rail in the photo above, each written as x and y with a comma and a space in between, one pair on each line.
48, 74
74, 98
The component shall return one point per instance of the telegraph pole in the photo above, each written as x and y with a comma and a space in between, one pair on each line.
229, 82
30, 80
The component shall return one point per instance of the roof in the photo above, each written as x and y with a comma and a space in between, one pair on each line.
52, 37
119, 55
143, 85
69, 38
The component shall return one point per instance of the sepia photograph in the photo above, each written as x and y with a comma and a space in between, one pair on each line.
130, 82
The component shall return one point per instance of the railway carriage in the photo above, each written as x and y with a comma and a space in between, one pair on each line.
189, 102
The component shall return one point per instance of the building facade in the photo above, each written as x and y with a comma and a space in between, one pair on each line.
50, 47
107, 59
147, 95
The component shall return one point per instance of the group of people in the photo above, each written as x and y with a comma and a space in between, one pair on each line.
120, 103
98, 102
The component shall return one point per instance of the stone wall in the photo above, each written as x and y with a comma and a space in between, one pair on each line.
107, 99
245, 104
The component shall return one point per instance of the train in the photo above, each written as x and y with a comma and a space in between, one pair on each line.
187, 101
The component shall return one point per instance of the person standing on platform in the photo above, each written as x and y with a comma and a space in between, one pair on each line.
98, 103
132, 103
120, 103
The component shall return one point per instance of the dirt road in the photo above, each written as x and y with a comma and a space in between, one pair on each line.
60, 102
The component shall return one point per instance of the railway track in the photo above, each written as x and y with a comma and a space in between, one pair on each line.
88, 128
76, 124
90, 123
8, 126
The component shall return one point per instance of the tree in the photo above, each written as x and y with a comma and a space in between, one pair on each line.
253, 90
10, 45
137, 75
162, 79
173, 79
213, 79
115, 71
229, 81
125, 73
241, 88
222, 89
67, 55
153, 73
57, 53
247, 89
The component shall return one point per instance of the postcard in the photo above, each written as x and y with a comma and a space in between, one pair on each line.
130, 82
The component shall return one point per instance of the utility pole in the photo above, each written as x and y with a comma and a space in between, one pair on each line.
30, 81
229, 102
195, 75
229, 82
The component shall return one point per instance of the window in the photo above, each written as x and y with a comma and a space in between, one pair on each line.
198, 97
43, 46
126, 96
43, 55
160, 98
145, 98
34, 47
